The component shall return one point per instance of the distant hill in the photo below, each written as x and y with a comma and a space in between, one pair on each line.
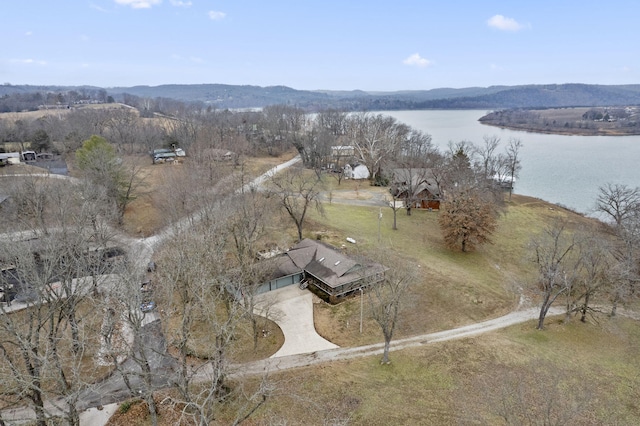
494, 97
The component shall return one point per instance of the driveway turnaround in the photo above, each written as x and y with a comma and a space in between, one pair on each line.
292, 309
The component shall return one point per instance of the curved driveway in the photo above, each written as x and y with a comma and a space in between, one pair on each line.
292, 309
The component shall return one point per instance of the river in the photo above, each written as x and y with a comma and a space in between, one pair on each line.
564, 170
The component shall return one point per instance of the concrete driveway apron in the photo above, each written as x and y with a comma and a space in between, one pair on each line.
292, 309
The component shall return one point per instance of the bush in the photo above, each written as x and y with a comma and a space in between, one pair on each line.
125, 406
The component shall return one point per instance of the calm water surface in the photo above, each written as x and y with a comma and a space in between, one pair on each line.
565, 170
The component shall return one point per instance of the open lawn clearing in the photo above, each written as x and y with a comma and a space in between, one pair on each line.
455, 288
563, 369
562, 372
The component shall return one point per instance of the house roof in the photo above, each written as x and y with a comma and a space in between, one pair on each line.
325, 263
416, 180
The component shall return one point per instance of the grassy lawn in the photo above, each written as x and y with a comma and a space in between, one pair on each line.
518, 371
561, 375
455, 288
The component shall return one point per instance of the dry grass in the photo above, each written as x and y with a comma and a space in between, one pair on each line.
86, 365
164, 184
441, 383
561, 372
466, 381
458, 382
202, 341
455, 288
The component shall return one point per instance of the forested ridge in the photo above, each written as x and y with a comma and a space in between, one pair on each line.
27, 97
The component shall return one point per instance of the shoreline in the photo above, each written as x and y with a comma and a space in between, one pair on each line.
561, 132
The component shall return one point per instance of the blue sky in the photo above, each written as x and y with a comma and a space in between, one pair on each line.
338, 45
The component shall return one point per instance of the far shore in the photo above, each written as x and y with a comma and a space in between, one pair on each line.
574, 121
566, 132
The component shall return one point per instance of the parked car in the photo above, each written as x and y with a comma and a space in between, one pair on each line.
148, 306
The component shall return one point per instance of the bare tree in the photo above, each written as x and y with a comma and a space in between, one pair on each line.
386, 299
48, 346
595, 264
296, 191
627, 254
618, 202
395, 205
31, 195
335, 121
199, 288
246, 224
122, 129
144, 369
487, 157
512, 162
551, 253
376, 139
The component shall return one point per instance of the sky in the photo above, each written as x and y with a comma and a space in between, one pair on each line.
374, 45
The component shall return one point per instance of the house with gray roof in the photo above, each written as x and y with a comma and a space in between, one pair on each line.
416, 187
327, 268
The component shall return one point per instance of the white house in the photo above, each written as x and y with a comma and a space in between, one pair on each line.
359, 171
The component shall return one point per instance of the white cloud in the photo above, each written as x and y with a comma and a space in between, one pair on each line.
28, 61
503, 23
417, 60
181, 3
28, 33
626, 69
98, 8
139, 4
196, 59
216, 16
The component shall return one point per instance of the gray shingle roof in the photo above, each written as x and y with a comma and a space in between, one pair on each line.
325, 263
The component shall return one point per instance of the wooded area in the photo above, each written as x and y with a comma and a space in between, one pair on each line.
85, 311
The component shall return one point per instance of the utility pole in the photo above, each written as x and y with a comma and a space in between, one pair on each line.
361, 302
